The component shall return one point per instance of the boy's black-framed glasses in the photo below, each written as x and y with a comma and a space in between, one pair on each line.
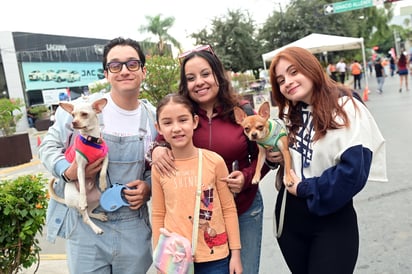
196, 49
131, 65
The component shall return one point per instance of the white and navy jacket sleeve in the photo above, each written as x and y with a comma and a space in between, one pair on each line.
335, 168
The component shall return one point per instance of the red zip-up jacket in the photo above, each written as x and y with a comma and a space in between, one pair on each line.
228, 140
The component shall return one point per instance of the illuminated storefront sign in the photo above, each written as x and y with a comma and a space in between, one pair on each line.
54, 75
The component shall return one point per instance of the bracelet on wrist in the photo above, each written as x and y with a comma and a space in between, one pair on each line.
153, 145
65, 178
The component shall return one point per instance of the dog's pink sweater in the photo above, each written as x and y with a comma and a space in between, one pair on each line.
91, 151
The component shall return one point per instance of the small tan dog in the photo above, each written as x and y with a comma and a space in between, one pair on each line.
267, 133
88, 147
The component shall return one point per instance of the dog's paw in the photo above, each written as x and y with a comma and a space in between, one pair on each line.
103, 184
99, 216
98, 230
83, 203
287, 181
255, 180
83, 206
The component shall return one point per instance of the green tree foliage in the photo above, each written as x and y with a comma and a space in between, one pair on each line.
239, 42
302, 18
99, 86
23, 205
159, 27
162, 78
233, 39
380, 33
10, 114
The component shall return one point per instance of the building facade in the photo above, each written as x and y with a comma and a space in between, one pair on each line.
44, 68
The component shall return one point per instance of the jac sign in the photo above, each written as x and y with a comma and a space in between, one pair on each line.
347, 6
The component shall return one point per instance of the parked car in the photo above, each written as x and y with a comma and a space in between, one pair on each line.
100, 74
73, 76
48, 75
35, 75
258, 85
62, 75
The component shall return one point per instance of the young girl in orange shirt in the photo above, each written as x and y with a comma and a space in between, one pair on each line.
173, 197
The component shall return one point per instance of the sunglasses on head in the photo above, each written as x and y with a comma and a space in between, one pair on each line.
183, 55
131, 65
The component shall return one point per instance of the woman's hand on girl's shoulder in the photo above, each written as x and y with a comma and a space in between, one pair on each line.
163, 161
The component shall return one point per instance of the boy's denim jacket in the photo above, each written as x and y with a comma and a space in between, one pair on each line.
51, 154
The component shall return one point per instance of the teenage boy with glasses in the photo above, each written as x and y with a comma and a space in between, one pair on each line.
128, 129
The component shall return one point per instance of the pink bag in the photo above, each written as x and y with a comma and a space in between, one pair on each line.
173, 254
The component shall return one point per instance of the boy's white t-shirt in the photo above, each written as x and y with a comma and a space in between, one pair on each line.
120, 122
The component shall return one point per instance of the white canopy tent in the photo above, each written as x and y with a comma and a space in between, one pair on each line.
319, 43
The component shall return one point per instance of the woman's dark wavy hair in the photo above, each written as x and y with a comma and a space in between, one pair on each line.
119, 41
227, 97
326, 93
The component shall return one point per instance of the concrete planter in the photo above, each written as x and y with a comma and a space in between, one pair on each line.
42, 124
15, 150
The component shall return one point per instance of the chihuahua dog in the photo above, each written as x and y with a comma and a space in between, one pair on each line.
88, 146
268, 134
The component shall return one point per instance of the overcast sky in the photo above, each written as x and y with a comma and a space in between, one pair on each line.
108, 19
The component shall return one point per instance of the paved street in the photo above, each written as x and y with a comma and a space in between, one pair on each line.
384, 209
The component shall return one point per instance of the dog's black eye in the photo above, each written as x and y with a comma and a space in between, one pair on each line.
260, 127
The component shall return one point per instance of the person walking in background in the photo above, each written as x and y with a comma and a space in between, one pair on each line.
356, 70
403, 65
336, 147
380, 74
31, 117
392, 65
331, 71
341, 68
370, 66
128, 126
174, 199
410, 63
203, 80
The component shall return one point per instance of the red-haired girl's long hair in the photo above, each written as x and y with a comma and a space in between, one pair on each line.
326, 93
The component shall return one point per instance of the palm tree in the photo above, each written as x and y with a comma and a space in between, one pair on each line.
159, 28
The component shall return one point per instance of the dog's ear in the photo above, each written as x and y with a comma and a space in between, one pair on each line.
98, 105
264, 110
66, 106
240, 115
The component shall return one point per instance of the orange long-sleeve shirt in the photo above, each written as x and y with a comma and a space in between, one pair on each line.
173, 203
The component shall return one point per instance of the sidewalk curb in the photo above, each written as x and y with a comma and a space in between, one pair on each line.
52, 257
